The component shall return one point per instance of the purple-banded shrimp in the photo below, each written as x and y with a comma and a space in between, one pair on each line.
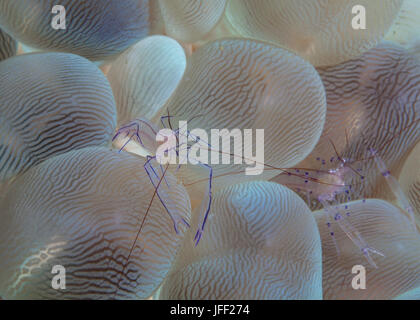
146, 135
336, 178
142, 137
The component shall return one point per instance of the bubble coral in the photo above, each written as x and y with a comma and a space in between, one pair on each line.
320, 31
83, 210
404, 30
96, 30
244, 84
70, 195
410, 180
261, 243
145, 76
8, 46
372, 102
51, 103
387, 229
191, 20
410, 295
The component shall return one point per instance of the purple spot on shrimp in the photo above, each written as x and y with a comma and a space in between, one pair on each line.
386, 173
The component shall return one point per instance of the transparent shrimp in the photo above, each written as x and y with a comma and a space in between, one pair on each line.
324, 185
142, 132
350, 231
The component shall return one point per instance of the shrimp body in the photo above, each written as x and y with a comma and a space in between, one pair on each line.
324, 185
145, 136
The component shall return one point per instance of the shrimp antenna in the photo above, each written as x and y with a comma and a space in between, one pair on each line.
341, 159
139, 231
347, 138
388, 141
169, 119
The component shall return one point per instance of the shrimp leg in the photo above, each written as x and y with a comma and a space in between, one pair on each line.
205, 205
395, 187
163, 194
329, 219
351, 232
128, 129
206, 202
